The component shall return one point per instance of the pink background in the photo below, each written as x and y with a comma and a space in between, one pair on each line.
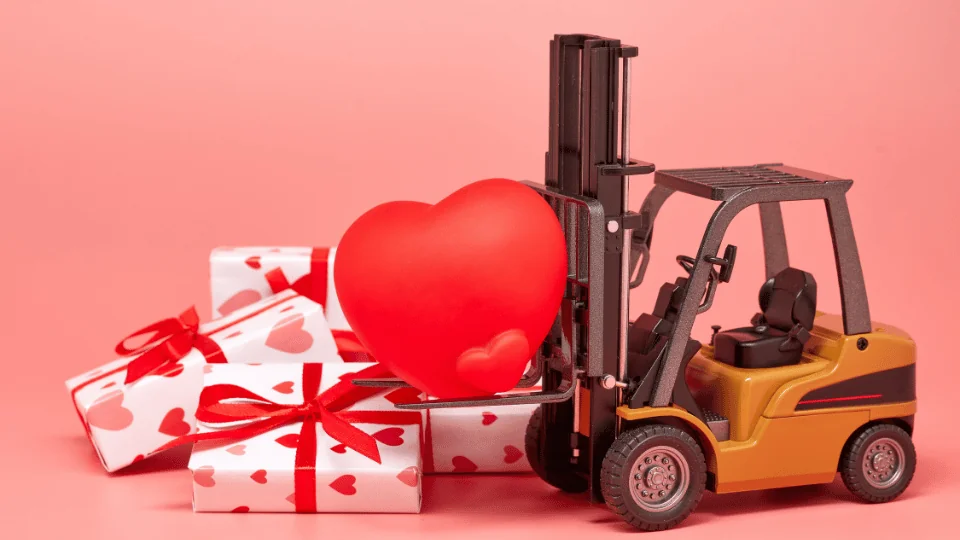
136, 136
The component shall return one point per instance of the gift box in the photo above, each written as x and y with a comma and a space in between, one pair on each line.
303, 438
242, 275
479, 440
145, 400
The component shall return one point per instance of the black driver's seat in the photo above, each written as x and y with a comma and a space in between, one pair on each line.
788, 302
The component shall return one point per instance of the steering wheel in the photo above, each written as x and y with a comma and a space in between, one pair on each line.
687, 263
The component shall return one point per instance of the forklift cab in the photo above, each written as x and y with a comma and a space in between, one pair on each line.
642, 416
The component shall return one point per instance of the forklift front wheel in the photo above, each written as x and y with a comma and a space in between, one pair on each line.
559, 475
653, 476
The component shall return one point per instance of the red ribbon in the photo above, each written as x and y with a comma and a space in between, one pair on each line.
170, 340
313, 285
228, 403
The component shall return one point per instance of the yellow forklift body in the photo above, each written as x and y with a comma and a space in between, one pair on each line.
773, 444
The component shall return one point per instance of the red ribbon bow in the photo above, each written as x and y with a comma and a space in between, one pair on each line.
170, 340
313, 285
231, 404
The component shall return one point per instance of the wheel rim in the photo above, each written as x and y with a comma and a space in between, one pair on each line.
883, 463
659, 479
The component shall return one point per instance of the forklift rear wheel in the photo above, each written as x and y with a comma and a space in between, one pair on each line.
561, 477
654, 476
878, 463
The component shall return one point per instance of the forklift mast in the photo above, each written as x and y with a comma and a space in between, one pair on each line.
587, 185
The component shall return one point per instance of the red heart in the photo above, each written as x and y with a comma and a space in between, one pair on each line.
340, 449
241, 510
259, 476
173, 424
108, 413
463, 465
410, 476
482, 270
489, 418
499, 364
344, 484
289, 336
253, 262
511, 454
390, 436
238, 449
404, 395
203, 476
290, 440
242, 299
285, 387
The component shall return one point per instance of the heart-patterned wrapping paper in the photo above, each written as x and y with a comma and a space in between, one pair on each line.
240, 276
258, 473
480, 440
127, 422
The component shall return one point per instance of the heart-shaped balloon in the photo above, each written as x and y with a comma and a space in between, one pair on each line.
456, 297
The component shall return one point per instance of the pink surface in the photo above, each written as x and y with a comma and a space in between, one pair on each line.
134, 137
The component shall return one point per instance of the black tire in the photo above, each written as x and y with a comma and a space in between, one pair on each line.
878, 462
564, 479
644, 461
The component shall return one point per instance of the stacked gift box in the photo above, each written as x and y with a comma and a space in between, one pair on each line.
264, 393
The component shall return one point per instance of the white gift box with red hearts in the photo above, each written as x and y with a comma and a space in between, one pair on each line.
479, 440
259, 473
241, 275
127, 422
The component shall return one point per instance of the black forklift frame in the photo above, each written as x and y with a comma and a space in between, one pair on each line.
738, 188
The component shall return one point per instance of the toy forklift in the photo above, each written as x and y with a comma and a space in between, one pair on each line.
643, 416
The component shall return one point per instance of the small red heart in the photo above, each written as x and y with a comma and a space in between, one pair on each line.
511, 454
173, 424
410, 476
446, 275
253, 262
108, 413
233, 335
238, 449
489, 418
463, 465
285, 387
241, 299
340, 449
289, 336
259, 476
404, 395
497, 365
392, 436
344, 484
240, 510
203, 476
290, 440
